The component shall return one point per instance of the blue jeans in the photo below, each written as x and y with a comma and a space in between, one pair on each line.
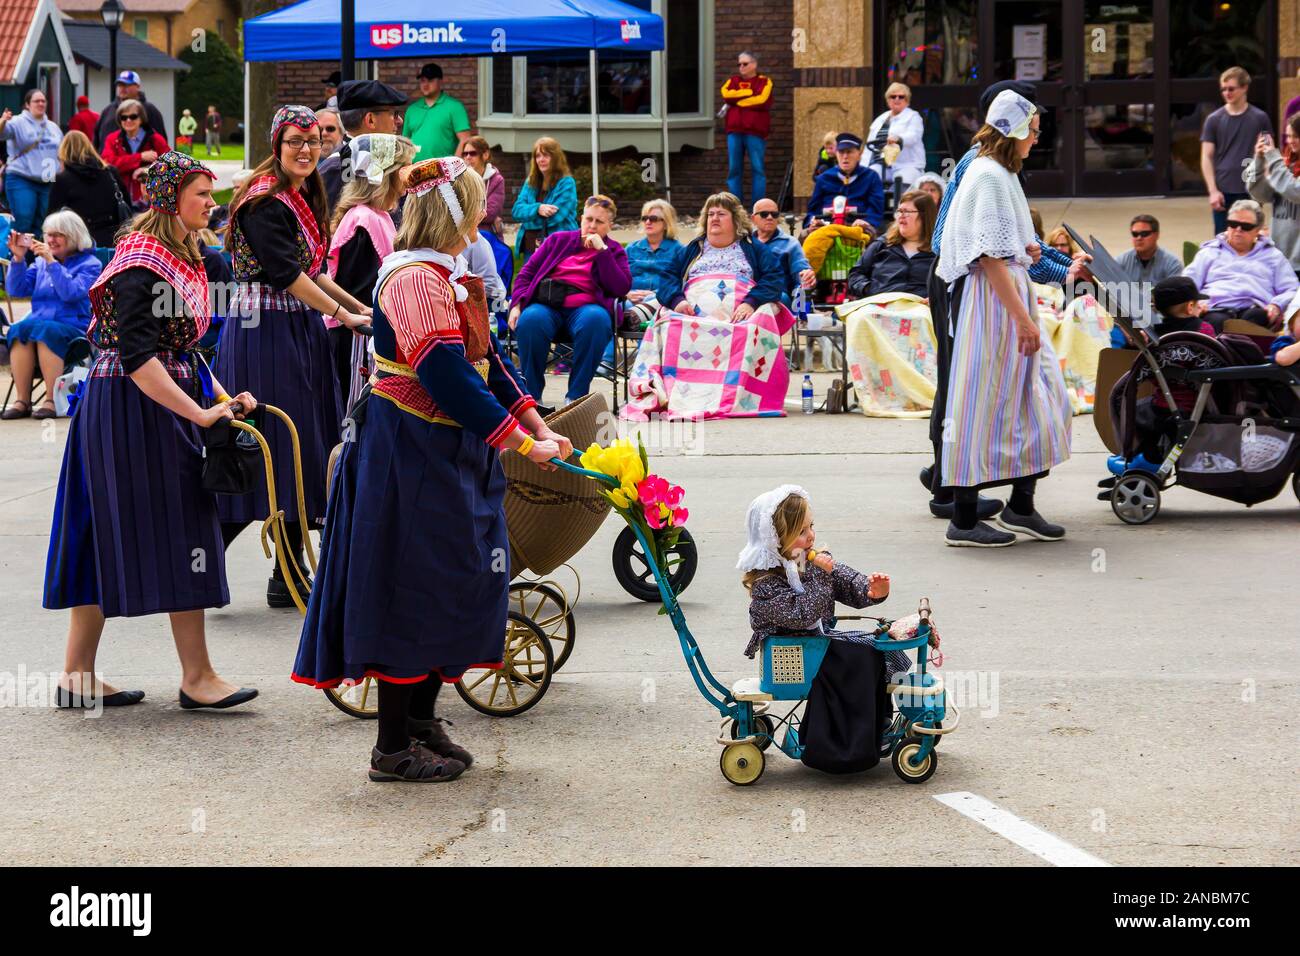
588, 327
1221, 218
28, 200
738, 144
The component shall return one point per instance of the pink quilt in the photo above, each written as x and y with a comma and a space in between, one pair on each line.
698, 364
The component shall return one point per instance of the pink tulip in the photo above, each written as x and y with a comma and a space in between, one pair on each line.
673, 497
652, 489
679, 517
652, 517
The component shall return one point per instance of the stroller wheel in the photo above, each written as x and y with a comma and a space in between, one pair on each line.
546, 607
524, 675
1135, 499
632, 570
1295, 484
358, 700
763, 725
741, 764
904, 755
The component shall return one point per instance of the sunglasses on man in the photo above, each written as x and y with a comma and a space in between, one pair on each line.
766, 215
1243, 226
1141, 234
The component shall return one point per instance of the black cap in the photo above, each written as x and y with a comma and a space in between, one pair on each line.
430, 71
848, 141
333, 79
368, 94
1175, 291
1024, 89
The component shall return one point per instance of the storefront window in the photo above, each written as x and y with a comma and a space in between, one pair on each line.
683, 56
1119, 137
1027, 41
1185, 122
930, 41
1208, 36
503, 84
1118, 41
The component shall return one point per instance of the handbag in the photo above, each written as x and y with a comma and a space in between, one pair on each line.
123, 207
553, 292
232, 460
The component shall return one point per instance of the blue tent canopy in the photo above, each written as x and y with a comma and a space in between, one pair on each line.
407, 28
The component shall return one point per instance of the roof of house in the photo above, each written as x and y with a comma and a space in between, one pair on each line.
132, 6
89, 42
21, 25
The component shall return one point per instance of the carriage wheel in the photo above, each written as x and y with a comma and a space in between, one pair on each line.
1135, 499
763, 725
546, 607
356, 700
522, 679
741, 764
904, 755
1295, 484
632, 569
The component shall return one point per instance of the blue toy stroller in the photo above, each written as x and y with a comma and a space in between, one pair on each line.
789, 665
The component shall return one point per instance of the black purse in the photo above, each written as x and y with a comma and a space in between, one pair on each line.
232, 460
123, 207
553, 292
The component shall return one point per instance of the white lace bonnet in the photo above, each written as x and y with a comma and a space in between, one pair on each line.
373, 154
764, 548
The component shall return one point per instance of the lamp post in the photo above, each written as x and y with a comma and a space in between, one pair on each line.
112, 12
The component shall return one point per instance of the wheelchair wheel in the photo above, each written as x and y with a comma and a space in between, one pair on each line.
741, 764
546, 607
632, 569
903, 756
358, 700
1135, 499
764, 724
522, 679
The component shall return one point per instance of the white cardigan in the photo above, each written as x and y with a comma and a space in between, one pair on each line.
909, 129
989, 216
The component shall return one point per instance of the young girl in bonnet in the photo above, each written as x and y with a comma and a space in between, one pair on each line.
793, 589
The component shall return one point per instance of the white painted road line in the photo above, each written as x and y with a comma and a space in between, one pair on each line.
1020, 832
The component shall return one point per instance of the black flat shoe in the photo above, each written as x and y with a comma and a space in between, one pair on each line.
277, 593
927, 476
1108, 482
984, 510
67, 700
241, 696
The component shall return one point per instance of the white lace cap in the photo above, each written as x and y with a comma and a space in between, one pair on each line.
764, 548
1010, 113
373, 154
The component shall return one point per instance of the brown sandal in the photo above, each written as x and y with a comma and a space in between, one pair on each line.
416, 765
13, 412
45, 410
430, 735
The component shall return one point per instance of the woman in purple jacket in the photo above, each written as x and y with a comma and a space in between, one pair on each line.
570, 289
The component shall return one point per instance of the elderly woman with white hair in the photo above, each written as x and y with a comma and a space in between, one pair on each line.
897, 140
58, 281
1245, 275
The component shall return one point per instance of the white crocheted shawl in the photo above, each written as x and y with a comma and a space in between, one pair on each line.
989, 216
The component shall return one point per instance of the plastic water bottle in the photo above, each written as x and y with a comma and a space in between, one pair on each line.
807, 395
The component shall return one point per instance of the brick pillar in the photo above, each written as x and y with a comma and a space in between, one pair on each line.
832, 67
1288, 54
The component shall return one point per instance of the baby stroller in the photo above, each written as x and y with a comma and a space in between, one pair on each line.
1223, 421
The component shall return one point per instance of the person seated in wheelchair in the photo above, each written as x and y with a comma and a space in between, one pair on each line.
58, 282
901, 259
1179, 307
793, 589
861, 188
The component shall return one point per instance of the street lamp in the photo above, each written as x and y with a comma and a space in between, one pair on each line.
112, 12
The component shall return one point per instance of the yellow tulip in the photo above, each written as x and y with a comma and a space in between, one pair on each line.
619, 498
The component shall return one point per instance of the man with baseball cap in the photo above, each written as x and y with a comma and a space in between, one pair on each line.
365, 106
331, 84
85, 119
127, 88
860, 186
437, 122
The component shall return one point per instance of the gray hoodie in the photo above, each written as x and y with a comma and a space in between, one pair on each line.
1268, 180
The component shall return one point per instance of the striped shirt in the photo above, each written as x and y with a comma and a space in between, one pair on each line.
1051, 267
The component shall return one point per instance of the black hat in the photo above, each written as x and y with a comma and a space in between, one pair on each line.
1174, 291
848, 141
333, 79
1026, 90
368, 94
430, 71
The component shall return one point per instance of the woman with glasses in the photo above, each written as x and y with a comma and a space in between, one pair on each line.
32, 140
899, 132
1006, 411
275, 343
570, 291
548, 200
1244, 274
478, 156
900, 260
132, 147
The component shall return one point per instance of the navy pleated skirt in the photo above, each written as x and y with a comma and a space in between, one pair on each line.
415, 565
134, 531
284, 359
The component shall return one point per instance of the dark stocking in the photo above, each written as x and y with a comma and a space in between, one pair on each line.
423, 696
965, 508
1022, 496
230, 531
394, 704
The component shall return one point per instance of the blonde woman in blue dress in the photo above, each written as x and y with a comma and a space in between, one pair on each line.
1007, 415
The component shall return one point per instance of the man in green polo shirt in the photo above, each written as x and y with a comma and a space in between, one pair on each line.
437, 123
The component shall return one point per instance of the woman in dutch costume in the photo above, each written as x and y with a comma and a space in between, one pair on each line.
1007, 412
413, 582
134, 532
275, 342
